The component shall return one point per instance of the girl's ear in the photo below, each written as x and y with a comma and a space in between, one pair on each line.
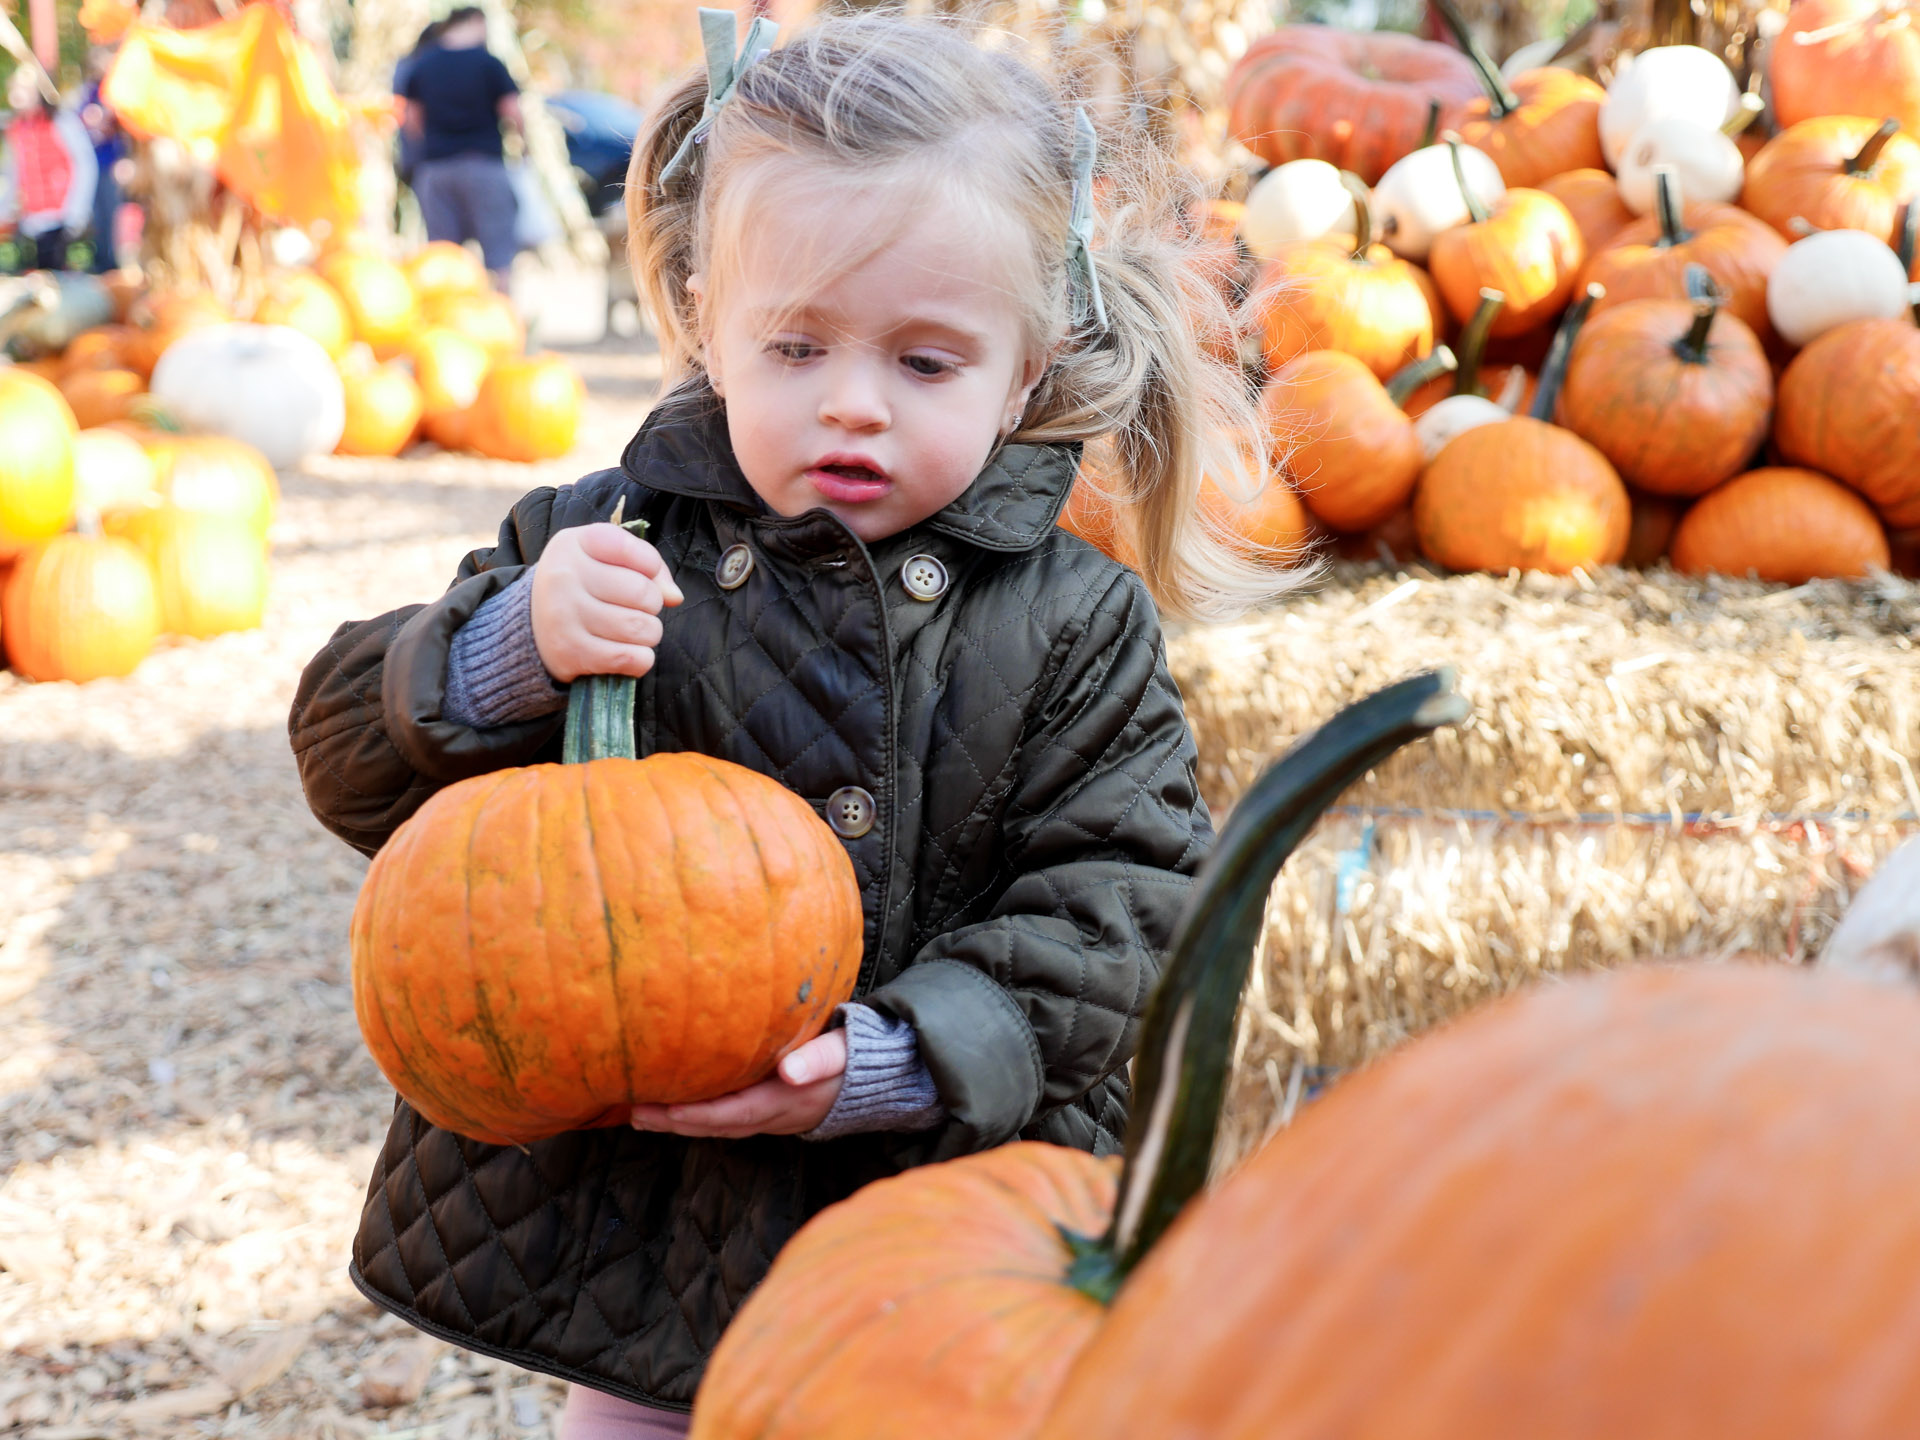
697, 287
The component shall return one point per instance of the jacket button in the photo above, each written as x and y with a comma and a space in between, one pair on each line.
924, 577
736, 563
850, 812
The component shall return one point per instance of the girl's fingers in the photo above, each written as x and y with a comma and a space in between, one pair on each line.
611, 545
616, 585
821, 1058
619, 625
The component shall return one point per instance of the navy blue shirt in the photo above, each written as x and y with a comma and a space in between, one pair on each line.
460, 90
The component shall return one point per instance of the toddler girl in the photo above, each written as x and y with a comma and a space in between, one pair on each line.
888, 327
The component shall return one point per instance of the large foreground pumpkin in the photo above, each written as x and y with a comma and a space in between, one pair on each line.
1664, 1202
950, 1300
690, 921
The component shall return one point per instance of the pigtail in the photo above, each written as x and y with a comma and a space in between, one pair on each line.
663, 224
1160, 397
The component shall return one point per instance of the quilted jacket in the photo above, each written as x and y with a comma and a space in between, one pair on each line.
1035, 825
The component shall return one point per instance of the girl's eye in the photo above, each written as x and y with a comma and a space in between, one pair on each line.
792, 351
926, 365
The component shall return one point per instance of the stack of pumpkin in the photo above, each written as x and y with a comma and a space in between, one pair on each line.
115, 535
1741, 396
398, 352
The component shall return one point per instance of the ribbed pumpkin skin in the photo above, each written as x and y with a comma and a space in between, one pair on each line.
1669, 425
1592, 197
80, 607
1664, 1202
1736, 248
539, 949
1868, 63
1346, 445
1782, 524
1521, 495
1847, 408
1528, 248
36, 464
934, 1303
1556, 128
1357, 100
209, 571
1316, 296
1801, 173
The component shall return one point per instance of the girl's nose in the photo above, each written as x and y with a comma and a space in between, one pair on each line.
854, 398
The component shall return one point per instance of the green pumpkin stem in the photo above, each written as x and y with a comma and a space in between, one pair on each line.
1362, 213
1473, 343
1431, 132
1553, 374
1667, 203
1500, 97
1476, 210
1707, 299
1909, 233
1751, 106
1409, 378
1869, 155
1186, 1044
600, 707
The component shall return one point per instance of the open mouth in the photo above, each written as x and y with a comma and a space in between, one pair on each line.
857, 473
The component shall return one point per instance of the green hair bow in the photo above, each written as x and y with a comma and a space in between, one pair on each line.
725, 66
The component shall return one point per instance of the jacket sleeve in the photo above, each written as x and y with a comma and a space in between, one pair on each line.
367, 729
1026, 1010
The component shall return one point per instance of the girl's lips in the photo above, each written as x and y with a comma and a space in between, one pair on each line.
832, 485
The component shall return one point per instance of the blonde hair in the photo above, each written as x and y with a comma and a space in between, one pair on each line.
872, 100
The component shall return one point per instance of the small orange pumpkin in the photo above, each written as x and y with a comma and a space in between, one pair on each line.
1847, 407
1781, 524
79, 607
160, 319
36, 461
1676, 394
101, 348
1271, 526
99, 397
1846, 57
1592, 197
1836, 172
440, 269
450, 368
214, 474
488, 318
1525, 245
111, 469
378, 298
383, 408
302, 300
210, 571
1365, 302
529, 409
1539, 124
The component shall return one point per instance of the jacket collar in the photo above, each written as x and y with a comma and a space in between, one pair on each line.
682, 448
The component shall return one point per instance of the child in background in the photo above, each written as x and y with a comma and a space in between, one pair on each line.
889, 326
47, 176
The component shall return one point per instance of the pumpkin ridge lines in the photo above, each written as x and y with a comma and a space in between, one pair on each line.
594, 875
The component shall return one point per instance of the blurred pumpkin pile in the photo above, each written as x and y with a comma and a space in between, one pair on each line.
143, 430
1531, 322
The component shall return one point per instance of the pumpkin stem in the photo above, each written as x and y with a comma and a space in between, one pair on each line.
1750, 107
1476, 211
1500, 97
1431, 132
1707, 299
1187, 1041
600, 707
1362, 213
1909, 232
1869, 155
1668, 204
1554, 373
1410, 378
1473, 343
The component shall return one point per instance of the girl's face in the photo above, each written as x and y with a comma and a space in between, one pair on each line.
879, 395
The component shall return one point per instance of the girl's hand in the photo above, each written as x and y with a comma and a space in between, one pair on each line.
597, 596
796, 1098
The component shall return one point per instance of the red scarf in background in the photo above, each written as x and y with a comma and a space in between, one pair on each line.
41, 165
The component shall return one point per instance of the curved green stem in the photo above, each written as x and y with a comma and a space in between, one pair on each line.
1869, 155
1409, 378
1473, 342
1432, 131
1667, 203
1707, 299
1186, 1044
1476, 211
1553, 374
1500, 96
1362, 213
599, 723
1750, 107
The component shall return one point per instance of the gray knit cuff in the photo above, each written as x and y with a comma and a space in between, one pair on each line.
494, 674
886, 1086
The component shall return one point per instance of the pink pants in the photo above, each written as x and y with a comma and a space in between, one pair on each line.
595, 1415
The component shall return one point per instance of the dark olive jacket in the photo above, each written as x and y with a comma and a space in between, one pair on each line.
1036, 825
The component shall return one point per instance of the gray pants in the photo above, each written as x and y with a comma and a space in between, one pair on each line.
469, 197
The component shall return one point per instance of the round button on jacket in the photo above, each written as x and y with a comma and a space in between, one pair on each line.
850, 812
736, 564
924, 577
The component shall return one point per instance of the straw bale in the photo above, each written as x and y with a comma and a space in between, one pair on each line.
1655, 766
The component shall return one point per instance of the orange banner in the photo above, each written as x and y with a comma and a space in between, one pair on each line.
256, 92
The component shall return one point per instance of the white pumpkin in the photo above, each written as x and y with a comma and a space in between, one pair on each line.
1300, 200
1682, 80
268, 385
1832, 277
1419, 196
1453, 416
1706, 162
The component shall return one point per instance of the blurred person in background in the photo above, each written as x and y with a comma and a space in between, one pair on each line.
412, 143
47, 177
103, 129
459, 96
